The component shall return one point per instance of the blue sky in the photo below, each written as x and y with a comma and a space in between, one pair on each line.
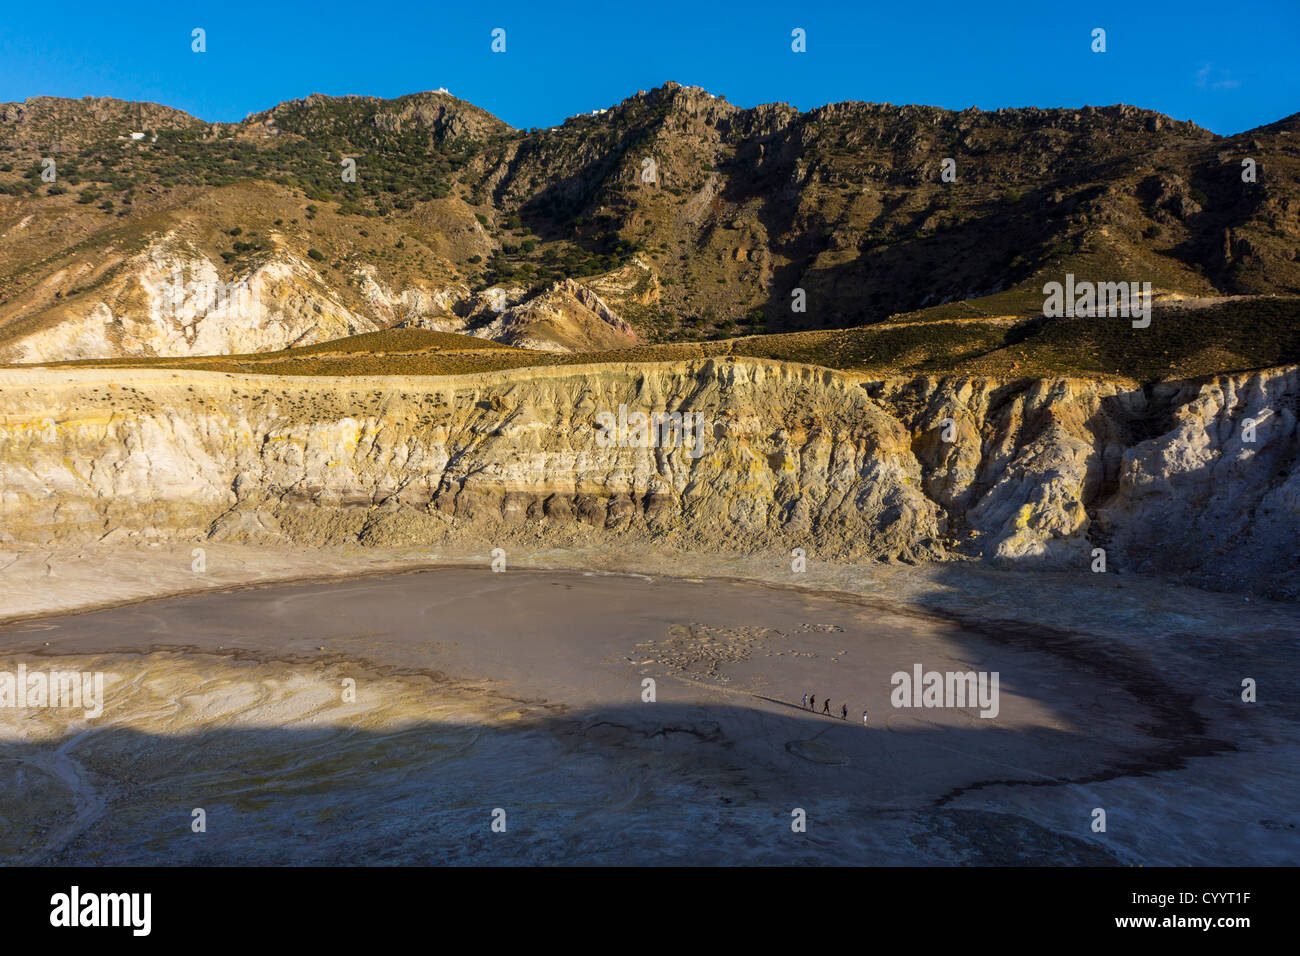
1226, 66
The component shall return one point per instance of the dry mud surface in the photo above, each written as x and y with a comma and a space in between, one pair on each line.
523, 691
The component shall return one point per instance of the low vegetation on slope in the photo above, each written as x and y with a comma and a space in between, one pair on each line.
1182, 342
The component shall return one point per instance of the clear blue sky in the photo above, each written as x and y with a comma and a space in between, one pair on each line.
1225, 66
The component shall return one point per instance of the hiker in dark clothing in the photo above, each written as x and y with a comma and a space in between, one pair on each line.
826, 706
813, 705
844, 711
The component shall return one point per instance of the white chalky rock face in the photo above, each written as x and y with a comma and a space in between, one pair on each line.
1038, 473
431, 308
171, 300
1202, 494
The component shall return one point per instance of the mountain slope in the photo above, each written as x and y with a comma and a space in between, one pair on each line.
719, 215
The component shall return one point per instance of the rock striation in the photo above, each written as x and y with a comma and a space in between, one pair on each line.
1199, 480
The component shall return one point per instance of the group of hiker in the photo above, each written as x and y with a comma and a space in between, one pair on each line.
810, 703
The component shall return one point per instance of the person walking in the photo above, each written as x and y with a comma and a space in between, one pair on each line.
826, 707
805, 701
864, 718
813, 704
844, 711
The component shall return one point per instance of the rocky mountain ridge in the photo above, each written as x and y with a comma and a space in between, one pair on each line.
729, 209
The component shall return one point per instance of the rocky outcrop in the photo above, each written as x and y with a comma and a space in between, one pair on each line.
171, 300
1215, 496
1198, 479
437, 113
567, 317
55, 121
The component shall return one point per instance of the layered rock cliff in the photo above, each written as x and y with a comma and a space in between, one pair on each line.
1194, 479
